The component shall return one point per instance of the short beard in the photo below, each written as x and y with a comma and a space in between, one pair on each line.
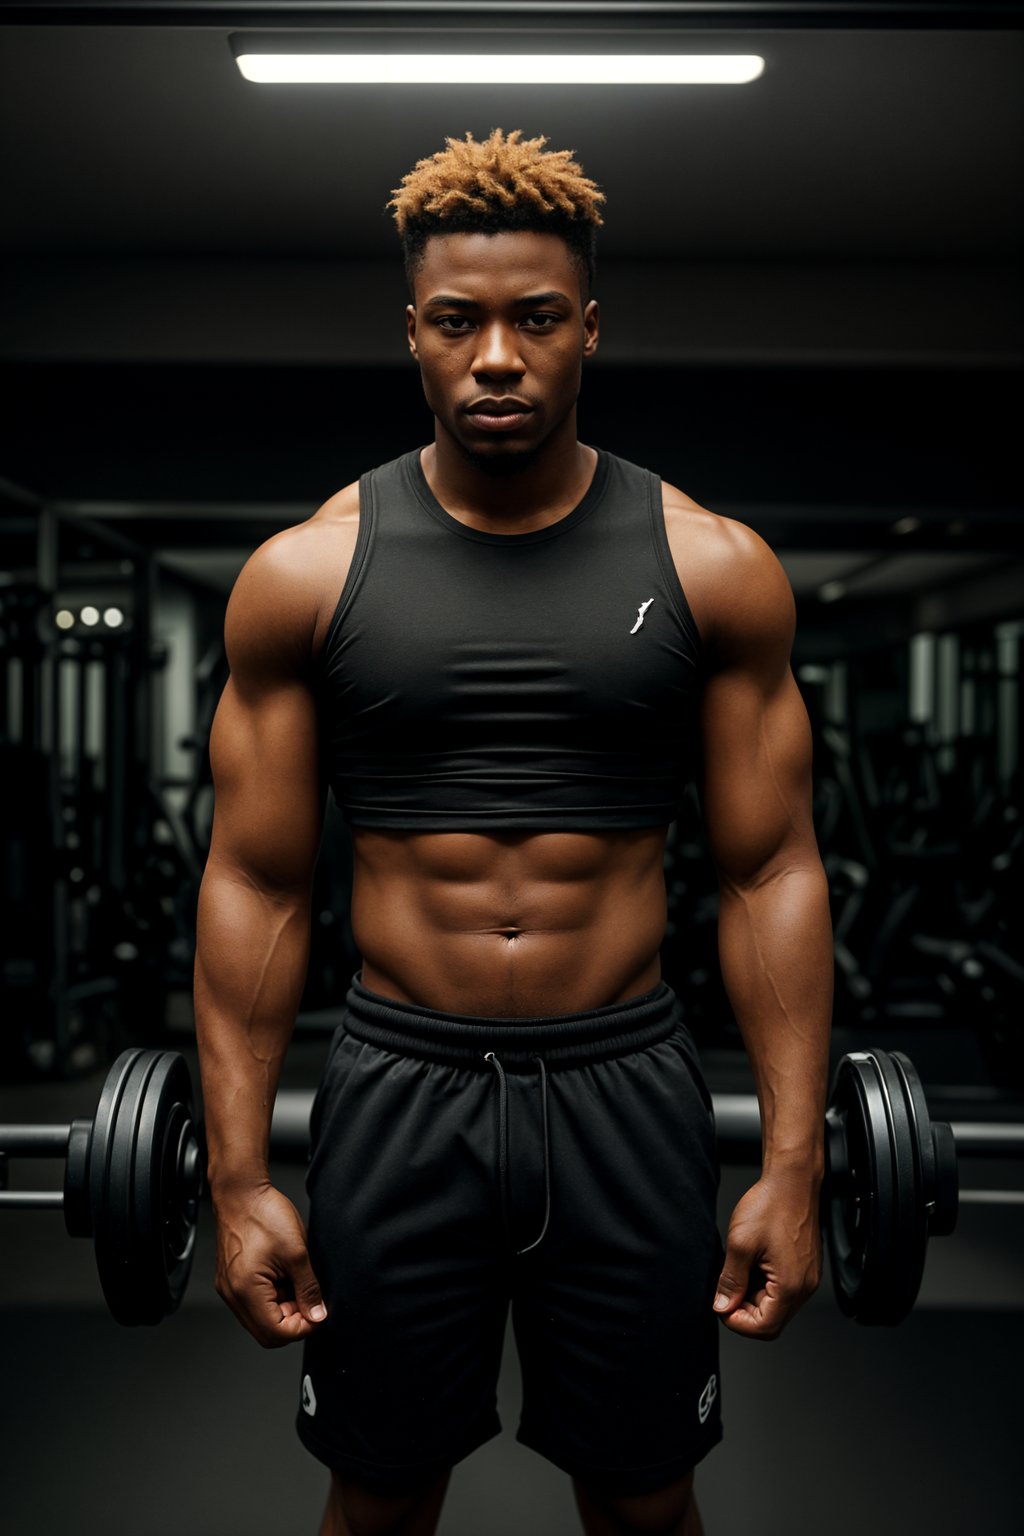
502, 466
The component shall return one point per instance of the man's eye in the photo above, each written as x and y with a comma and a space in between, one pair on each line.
462, 321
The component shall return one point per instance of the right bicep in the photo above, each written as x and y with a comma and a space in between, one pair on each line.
268, 791
268, 794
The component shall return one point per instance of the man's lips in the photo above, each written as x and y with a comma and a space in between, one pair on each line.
506, 407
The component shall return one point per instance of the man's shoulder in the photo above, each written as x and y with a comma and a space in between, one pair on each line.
343, 506
289, 586
675, 500
294, 557
730, 575
723, 534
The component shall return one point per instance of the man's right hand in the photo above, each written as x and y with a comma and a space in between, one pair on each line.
263, 1268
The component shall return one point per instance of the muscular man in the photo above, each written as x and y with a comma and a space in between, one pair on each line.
502, 652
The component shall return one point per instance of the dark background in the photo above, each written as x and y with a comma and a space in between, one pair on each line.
812, 322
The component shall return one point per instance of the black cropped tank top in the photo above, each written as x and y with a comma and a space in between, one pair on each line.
473, 680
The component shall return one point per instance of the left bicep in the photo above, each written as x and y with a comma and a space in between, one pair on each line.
756, 772
755, 734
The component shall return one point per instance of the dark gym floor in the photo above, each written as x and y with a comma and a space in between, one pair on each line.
833, 1429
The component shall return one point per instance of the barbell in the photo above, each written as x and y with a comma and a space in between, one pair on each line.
133, 1177
132, 1182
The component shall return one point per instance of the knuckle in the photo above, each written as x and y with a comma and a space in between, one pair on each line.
741, 1246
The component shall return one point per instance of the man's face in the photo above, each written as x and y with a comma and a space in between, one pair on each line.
492, 345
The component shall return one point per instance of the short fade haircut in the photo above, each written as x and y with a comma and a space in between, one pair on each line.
499, 185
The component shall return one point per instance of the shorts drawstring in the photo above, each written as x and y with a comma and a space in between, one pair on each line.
502, 1134
503, 1157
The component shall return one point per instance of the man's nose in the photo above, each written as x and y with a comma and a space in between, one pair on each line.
497, 350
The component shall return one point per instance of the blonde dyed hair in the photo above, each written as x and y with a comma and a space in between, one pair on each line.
504, 183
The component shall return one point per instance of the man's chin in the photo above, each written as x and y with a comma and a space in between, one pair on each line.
505, 462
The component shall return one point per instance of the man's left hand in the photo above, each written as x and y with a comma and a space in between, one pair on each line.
773, 1256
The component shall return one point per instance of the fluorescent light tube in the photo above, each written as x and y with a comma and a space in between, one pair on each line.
499, 69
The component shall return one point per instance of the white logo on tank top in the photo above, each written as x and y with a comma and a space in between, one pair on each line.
308, 1396
640, 614
707, 1397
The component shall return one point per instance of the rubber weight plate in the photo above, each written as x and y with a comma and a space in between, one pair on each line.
859, 1202
914, 1161
144, 1185
889, 1181
939, 1169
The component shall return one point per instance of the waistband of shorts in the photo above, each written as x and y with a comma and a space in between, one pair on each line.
562, 1039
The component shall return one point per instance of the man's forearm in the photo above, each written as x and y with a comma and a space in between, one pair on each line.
252, 953
775, 947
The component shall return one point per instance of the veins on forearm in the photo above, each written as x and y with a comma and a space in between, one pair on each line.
262, 995
757, 905
260, 937
776, 967
775, 955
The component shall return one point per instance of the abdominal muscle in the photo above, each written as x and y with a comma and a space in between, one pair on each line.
509, 924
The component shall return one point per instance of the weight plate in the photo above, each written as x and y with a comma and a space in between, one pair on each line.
109, 1165
938, 1155
144, 1185
944, 1212
918, 1109
77, 1211
166, 1193
102, 1143
902, 1267
861, 1198
897, 1177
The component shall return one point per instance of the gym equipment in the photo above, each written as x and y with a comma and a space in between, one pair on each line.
76, 656
99, 871
132, 1182
892, 1182
133, 1178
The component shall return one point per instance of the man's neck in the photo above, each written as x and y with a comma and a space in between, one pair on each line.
545, 489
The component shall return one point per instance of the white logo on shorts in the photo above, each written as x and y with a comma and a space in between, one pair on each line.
707, 1397
308, 1396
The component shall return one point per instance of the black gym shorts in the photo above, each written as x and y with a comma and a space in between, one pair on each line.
565, 1164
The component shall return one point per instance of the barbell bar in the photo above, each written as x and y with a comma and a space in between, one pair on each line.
133, 1177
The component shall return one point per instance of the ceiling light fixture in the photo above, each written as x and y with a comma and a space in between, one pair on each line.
498, 68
